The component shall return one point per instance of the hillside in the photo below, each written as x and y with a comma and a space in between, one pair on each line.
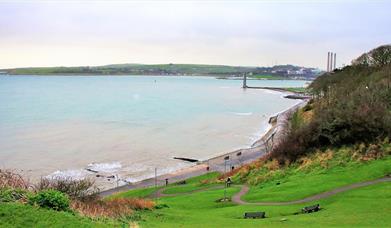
280, 72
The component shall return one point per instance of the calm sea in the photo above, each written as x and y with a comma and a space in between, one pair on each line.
127, 125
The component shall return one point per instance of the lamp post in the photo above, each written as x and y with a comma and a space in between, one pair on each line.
226, 158
239, 155
156, 185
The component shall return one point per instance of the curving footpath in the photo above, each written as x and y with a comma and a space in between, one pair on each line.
237, 197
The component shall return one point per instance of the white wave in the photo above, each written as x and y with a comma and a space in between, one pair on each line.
160, 171
105, 167
243, 113
74, 174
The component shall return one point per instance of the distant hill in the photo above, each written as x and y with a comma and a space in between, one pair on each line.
285, 71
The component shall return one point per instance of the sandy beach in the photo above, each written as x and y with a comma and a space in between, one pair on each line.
235, 158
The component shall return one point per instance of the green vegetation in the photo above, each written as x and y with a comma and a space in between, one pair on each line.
13, 194
193, 184
351, 105
201, 210
136, 193
22, 215
50, 199
296, 89
269, 77
62, 203
319, 172
169, 69
136, 69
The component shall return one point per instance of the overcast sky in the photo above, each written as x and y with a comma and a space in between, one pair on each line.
251, 33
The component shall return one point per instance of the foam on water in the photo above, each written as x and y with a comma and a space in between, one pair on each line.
243, 113
105, 167
75, 174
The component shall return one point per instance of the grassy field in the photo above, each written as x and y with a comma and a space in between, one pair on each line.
137, 193
342, 210
296, 183
268, 77
193, 184
21, 215
136, 69
347, 209
367, 206
296, 89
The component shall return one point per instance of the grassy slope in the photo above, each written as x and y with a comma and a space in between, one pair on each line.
193, 184
137, 193
20, 215
135, 69
298, 184
343, 210
346, 209
270, 77
201, 209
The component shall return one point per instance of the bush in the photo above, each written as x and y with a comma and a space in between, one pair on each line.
12, 195
350, 106
51, 199
9, 179
76, 189
113, 208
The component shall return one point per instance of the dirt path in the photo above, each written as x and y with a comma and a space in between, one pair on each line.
237, 197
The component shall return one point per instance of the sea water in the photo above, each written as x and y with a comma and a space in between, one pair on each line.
128, 125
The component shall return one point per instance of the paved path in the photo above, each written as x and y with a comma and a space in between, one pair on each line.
237, 197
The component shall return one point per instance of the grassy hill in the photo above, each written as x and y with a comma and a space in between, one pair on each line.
275, 72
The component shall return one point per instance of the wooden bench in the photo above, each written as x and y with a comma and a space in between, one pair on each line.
181, 182
310, 209
254, 215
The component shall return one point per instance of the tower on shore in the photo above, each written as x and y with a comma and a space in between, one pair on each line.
244, 80
331, 61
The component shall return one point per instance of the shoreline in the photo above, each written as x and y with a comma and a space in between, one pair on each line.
217, 163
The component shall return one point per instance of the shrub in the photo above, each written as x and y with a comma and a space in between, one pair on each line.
13, 194
76, 189
9, 179
350, 106
51, 199
113, 208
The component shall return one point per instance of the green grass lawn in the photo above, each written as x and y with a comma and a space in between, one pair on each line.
299, 184
136, 193
20, 215
296, 89
268, 77
368, 206
193, 184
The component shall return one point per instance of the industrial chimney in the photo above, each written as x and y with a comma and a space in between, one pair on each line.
331, 61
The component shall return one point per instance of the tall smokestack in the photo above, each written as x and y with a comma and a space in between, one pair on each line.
331, 61
328, 62
335, 60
